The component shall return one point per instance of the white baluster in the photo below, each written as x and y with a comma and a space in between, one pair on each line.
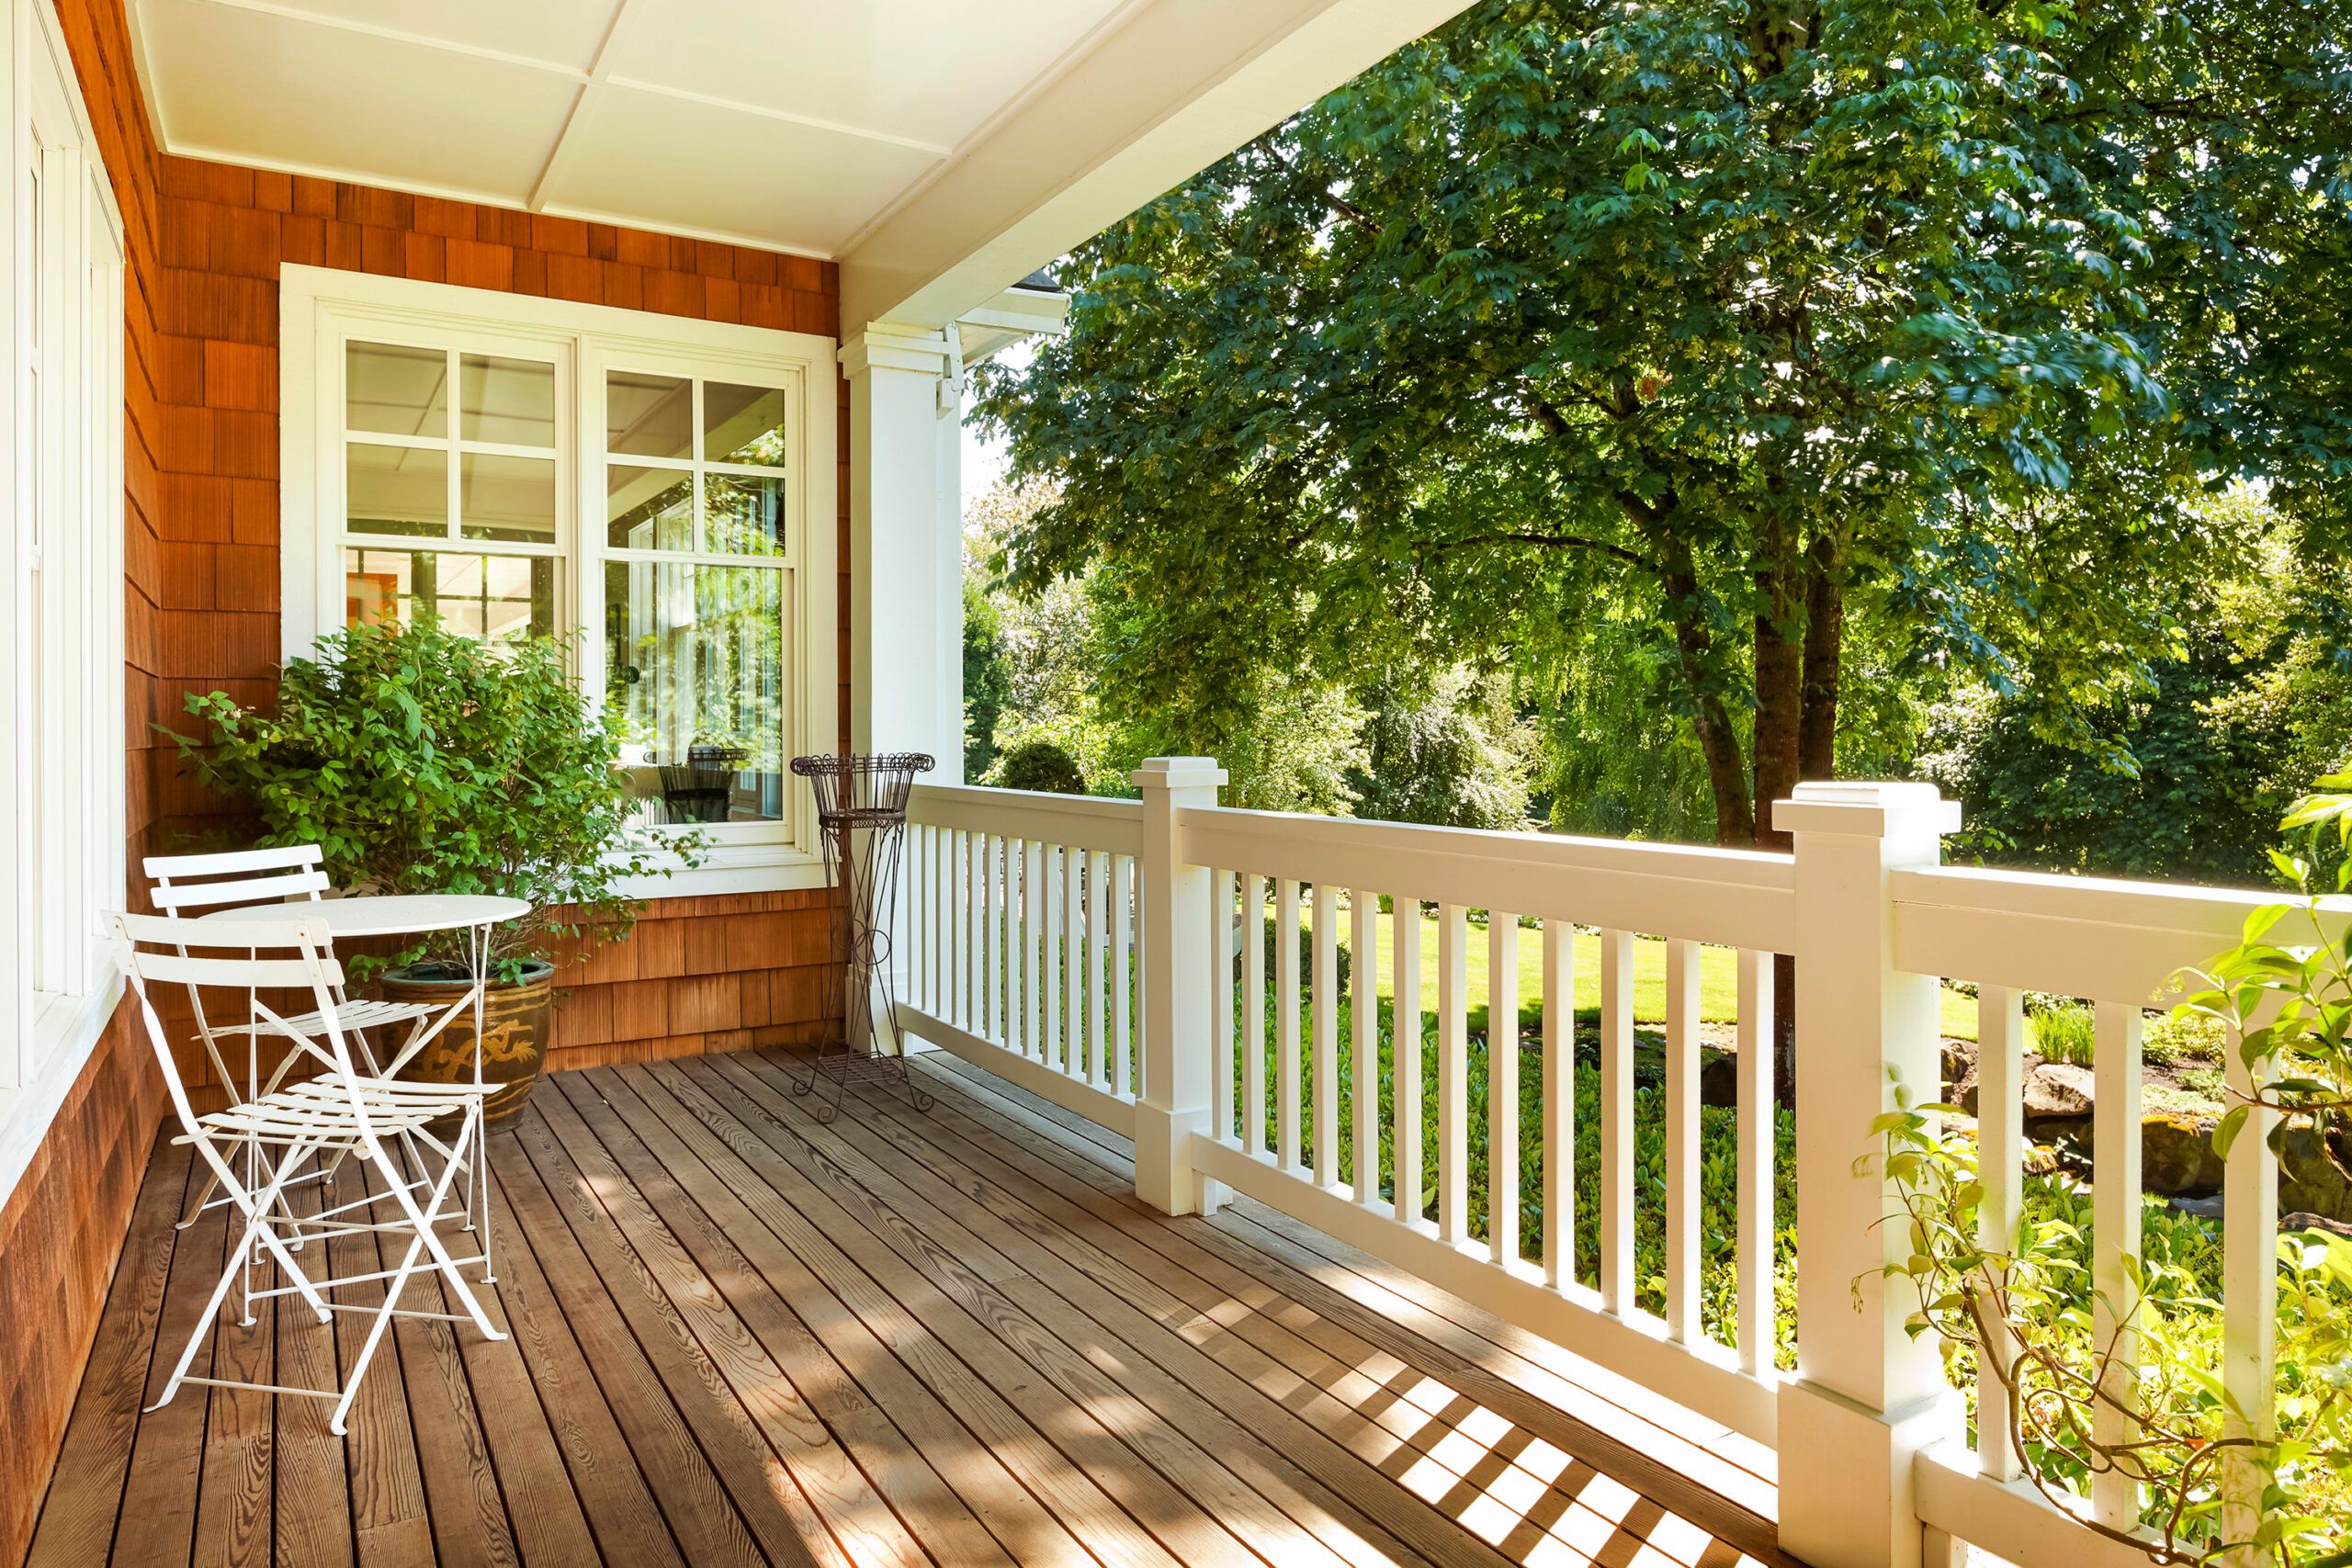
1122, 896
1363, 976
1405, 1040
1753, 1176
1286, 1078
1559, 1103
1683, 1141
1616, 1121
1326, 1134
1502, 1087
2115, 1248
1452, 1073
2000, 1169
1253, 1013
2250, 1298
1221, 1041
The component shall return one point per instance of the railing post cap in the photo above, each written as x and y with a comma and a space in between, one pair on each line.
1871, 809
1179, 772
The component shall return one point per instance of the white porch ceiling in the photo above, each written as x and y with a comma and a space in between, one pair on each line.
939, 150
779, 123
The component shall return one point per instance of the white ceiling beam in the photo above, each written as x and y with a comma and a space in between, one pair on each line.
1179, 86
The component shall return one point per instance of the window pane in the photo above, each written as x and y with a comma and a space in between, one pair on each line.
506, 498
649, 509
396, 489
742, 424
402, 392
744, 518
511, 401
694, 666
648, 415
503, 598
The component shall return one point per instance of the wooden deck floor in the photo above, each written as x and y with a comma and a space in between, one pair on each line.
741, 1338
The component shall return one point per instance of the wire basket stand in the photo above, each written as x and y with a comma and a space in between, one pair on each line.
862, 816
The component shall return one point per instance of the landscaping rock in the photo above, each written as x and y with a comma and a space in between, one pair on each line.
2176, 1154
2308, 1181
2302, 1222
1719, 1078
2058, 1091
2054, 1092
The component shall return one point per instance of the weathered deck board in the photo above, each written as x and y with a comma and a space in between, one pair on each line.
741, 1335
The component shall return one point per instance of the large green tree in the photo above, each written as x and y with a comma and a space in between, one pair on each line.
1744, 330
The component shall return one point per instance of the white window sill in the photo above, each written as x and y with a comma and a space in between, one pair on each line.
731, 868
65, 1032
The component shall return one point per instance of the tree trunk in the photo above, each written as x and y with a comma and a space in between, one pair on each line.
1779, 695
1718, 740
1816, 758
1825, 640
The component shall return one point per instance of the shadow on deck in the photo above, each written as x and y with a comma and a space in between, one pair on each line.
739, 1337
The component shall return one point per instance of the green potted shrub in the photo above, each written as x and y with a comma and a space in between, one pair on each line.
420, 761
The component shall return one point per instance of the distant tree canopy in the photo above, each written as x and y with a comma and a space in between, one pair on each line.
1752, 345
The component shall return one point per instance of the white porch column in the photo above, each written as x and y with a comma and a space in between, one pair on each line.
906, 604
1867, 1396
1178, 970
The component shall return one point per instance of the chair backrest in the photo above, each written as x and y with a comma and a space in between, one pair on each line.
235, 877
252, 955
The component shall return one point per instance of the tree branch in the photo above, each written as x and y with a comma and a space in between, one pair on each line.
1339, 204
1555, 542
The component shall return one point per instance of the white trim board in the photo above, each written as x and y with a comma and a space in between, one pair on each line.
318, 305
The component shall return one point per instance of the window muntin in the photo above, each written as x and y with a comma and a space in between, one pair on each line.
698, 536
496, 470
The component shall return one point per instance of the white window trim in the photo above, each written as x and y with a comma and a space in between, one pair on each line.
47, 1036
316, 304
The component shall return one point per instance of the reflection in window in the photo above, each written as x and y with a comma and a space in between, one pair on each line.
396, 489
742, 424
506, 498
508, 401
694, 669
649, 509
396, 390
648, 415
498, 598
745, 516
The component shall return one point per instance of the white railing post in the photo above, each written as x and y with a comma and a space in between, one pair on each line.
1867, 1397
1177, 974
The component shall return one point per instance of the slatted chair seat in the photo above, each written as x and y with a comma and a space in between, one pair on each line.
363, 1014
320, 1111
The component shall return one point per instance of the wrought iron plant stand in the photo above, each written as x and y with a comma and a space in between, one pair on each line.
862, 816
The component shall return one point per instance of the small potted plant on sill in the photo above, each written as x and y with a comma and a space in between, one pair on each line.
421, 761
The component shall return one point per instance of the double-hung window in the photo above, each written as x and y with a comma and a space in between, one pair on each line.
660, 492
62, 793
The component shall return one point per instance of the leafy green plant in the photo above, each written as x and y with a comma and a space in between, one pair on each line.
2023, 1304
2066, 1033
1039, 765
420, 761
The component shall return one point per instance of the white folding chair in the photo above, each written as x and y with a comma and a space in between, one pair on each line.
339, 1112
240, 879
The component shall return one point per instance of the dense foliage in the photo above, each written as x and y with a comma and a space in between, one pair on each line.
1733, 349
421, 761
1039, 765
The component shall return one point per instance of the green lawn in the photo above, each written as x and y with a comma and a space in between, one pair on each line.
1718, 976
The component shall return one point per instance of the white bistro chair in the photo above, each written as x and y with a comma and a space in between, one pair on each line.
238, 879
253, 1146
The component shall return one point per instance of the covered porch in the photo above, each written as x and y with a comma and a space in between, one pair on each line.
741, 1336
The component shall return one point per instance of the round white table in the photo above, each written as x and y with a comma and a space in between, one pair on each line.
413, 914
388, 914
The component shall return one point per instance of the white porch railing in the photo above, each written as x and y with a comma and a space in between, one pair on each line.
1083, 948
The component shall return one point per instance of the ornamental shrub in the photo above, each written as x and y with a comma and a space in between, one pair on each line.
421, 761
1040, 765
